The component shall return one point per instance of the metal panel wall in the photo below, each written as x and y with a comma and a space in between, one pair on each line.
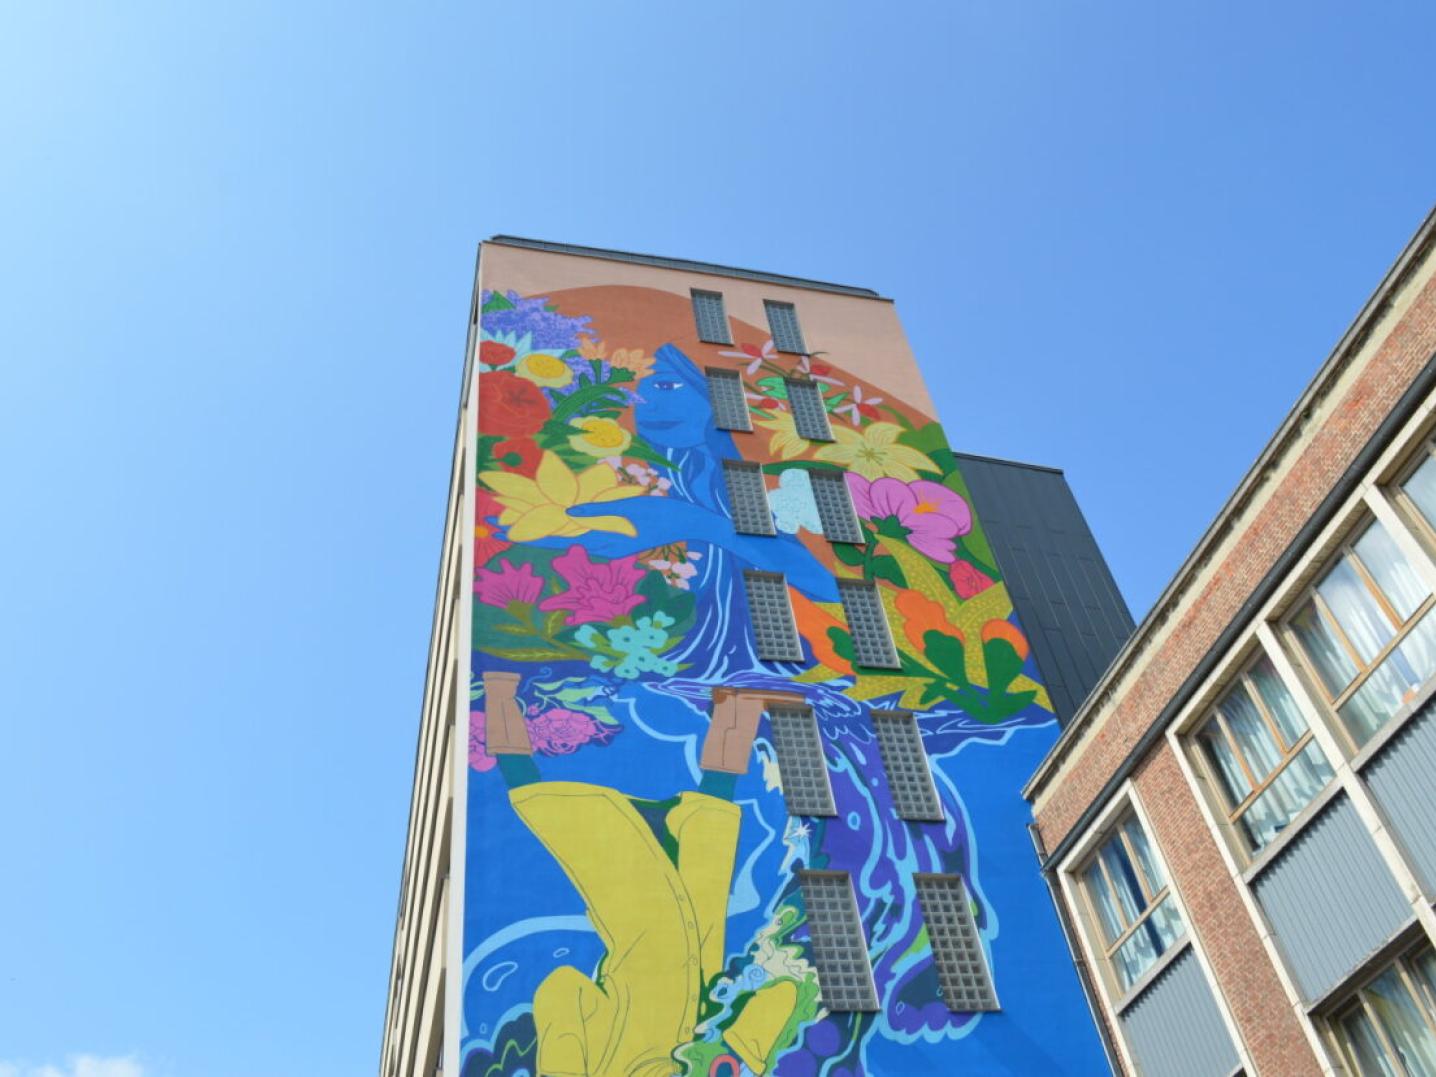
1330, 899
1174, 1028
1400, 777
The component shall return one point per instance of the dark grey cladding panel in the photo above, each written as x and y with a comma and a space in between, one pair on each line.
1400, 776
1060, 585
1174, 1028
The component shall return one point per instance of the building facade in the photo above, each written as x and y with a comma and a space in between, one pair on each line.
1241, 817
729, 705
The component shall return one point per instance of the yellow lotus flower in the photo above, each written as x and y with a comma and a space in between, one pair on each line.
632, 359
873, 452
549, 371
599, 437
537, 507
786, 443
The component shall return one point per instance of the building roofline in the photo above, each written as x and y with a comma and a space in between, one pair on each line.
1010, 463
1286, 434
688, 264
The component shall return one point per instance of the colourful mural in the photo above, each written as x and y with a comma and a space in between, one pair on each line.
632, 901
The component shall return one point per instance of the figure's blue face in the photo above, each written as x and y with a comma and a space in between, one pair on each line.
675, 412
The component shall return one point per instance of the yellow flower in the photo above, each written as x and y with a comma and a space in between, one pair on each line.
786, 443
591, 349
873, 452
632, 359
538, 507
543, 369
600, 437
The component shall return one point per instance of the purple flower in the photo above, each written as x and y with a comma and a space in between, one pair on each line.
508, 584
479, 757
549, 329
559, 731
932, 514
596, 592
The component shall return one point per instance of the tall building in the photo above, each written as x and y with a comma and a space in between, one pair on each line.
1240, 818
728, 705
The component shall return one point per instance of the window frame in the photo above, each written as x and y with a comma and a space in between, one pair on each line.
933, 812
872, 1003
812, 736
991, 1003
790, 380
1424, 528
737, 473
1357, 999
716, 375
837, 477
871, 591
708, 293
795, 637
768, 305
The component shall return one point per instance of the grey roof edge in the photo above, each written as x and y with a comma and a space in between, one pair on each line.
661, 262
1009, 463
1346, 348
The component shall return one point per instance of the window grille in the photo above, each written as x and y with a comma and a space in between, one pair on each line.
835, 506
802, 768
725, 393
872, 642
810, 414
771, 613
905, 761
956, 947
840, 950
783, 324
748, 497
711, 317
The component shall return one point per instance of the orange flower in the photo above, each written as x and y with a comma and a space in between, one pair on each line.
632, 359
922, 615
591, 349
813, 625
1006, 630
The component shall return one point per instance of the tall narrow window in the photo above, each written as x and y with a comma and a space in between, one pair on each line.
905, 761
835, 506
725, 393
783, 323
748, 497
1389, 1027
1365, 634
872, 641
810, 414
840, 950
802, 769
956, 947
711, 317
1420, 487
771, 612
1130, 903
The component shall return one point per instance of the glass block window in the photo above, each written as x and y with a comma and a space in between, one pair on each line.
802, 768
783, 324
905, 761
771, 613
840, 950
835, 506
725, 393
872, 642
711, 317
956, 947
748, 497
810, 414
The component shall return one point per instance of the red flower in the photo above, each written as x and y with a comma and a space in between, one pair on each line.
820, 369
492, 353
487, 544
510, 405
968, 581
527, 451
867, 411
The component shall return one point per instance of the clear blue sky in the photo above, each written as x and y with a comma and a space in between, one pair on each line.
236, 247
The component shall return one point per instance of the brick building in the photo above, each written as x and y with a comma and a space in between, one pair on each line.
1240, 818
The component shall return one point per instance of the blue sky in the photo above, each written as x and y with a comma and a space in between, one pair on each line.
237, 252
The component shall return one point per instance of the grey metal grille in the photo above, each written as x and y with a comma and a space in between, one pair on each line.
783, 323
956, 948
840, 950
725, 393
748, 497
810, 416
905, 761
872, 642
802, 768
772, 616
711, 318
835, 506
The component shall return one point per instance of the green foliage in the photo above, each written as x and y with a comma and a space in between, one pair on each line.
496, 301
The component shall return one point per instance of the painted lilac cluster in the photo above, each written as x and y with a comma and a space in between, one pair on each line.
547, 328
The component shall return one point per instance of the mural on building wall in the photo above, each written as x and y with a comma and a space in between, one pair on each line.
632, 899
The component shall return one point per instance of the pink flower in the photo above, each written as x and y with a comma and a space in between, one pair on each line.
508, 584
932, 514
596, 592
968, 581
559, 732
479, 757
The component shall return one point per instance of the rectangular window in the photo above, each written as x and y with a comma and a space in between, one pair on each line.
1130, 905
956, 947
1420, 488
872, 641
810, 414
783, 324
1389, 1027
840, 950
835, 506
711, 318
802, 768
905, 762
1261, 755
748, 497
725, 393
774, 632
1364, 632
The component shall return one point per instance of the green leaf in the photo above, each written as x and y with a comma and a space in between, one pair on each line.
773, 386
496, 301
886, 568
849, 554
528, 654
555, 622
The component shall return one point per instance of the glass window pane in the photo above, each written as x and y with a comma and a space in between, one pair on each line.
1355, 610
1223, 761
1149, 942
1333, 665
1366, 1046
1138, 837
1394, 574
1252, 734
1424, 968
1393, 683
1279, 702
1294, 788
1103, 902
1421, 488
1124, 878
1403, 1023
